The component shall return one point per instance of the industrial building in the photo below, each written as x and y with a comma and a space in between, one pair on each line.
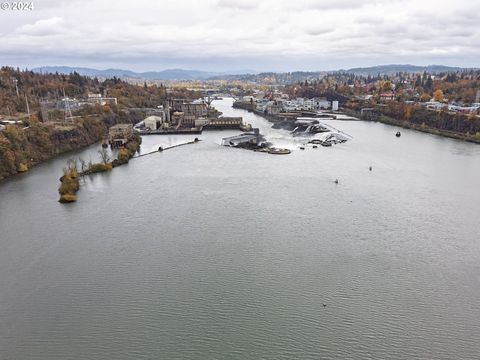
120, 134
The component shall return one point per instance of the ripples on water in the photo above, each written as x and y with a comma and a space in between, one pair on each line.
207, 252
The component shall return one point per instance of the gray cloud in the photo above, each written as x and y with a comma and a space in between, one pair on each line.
50, 26
369, 19
227, 34
238, 4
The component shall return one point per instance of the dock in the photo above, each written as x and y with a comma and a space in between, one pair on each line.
161, 149
170, 131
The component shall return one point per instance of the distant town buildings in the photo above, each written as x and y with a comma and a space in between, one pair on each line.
277, 102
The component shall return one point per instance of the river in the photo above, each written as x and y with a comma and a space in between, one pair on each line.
209, 252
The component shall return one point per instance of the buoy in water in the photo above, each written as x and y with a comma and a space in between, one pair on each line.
336, 181
370, 168
398, 134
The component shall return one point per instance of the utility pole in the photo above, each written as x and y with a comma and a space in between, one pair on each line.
15, 81
68, 111
44, 111
28, 107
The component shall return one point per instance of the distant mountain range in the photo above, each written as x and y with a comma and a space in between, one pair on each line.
396, 68
248, 75
170, 74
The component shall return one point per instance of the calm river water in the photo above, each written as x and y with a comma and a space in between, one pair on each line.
208, 252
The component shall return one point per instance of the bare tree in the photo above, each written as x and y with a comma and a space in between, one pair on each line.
72, 164
104, 156
83, 164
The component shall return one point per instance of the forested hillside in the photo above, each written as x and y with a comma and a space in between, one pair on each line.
32, 139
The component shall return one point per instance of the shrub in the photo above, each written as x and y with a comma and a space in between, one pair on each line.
99, 167
68, 198
132, 147
69, 185
123, 155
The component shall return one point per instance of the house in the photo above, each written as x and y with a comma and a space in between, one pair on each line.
363, 97
335, 105
389, 96
320, 103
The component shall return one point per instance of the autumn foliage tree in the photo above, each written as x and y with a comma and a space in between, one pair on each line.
438, 95
407, 112
425, 97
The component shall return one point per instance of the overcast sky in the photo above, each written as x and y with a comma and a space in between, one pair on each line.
225, 35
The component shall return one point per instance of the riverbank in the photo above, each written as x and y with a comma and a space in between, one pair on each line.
384, 119
24, 148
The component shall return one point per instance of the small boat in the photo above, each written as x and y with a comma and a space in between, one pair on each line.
398, 134
265, 150
302, 148
277, 151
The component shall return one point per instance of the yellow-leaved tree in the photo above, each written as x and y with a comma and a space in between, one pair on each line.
438, 95
425, 97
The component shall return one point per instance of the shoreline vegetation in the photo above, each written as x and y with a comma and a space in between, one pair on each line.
23, 148
40, 127
77, 168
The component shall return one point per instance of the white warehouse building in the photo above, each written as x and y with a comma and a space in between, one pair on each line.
153, 122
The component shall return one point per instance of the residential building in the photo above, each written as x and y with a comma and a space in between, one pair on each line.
335, 105
390, 96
